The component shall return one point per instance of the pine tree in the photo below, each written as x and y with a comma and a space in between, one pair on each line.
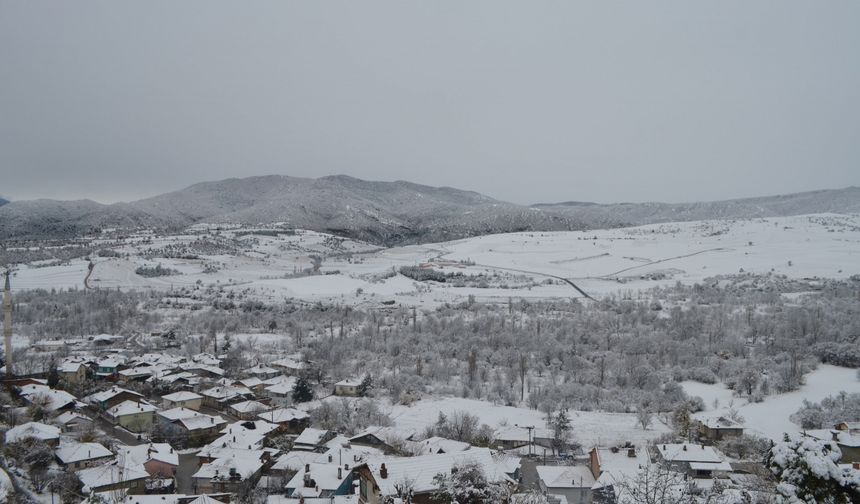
365, 385
302, 391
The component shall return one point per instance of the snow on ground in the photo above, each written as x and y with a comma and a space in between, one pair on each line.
6, 487
712, 392
518, 264
590, 428
770, 418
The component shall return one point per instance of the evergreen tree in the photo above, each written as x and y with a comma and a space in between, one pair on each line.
365, 385
302, 391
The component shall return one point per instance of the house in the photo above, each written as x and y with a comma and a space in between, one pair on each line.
159, 460
262, 372
175, 499
80, 455
337, 499
848, 444
321, 480
290, 463
47, 433
349, 387
718, 428
182, 399
436, 444
612, 467
133, 416
229, 473
49, 399
111, 397
70, 421
312, 439
292, 365
379, 478
852, 427
515, 437
244, 435
220, 397
698, 461
247, 410
73, 372
255, 384
182, 380
109, 368
202, 370
290, 420
111, 477
190, 425
573, 482
387, 439
280, 387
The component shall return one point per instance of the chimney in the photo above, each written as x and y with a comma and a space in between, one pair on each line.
329, 458
307, 468
685, 447
339, 473
856, 466
631, 452
346, 467
7, 324
383, 471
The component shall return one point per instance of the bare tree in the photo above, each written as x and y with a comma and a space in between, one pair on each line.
655, 484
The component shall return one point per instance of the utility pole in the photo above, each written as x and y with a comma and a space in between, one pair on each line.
7, 324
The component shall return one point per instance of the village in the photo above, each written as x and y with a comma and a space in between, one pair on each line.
159, 427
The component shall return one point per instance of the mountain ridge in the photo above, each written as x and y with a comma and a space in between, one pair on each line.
385, 213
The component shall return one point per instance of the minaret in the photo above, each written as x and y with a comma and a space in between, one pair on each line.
7, 325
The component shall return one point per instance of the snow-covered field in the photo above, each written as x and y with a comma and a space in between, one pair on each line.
770, 418
526, 265
589, 428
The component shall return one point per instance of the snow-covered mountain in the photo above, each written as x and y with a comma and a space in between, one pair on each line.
633, 214
384, 213
378, 212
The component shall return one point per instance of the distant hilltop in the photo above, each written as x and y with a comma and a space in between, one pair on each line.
384, 213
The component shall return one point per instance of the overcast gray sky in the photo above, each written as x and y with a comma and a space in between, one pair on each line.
525, 101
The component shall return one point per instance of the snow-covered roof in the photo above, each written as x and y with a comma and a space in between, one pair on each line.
32, 430
326, 478
281, 388
70, 366
295, 460
260, 369
108, 394
226, 393
201, 422
126, 408
577, 476
141, 454
844, 438
420, 471
720, 422
438, 444
108, 474
69, 453
249, 407
336, 499
283, 415
245, 465
686, 452
311, 437
52, 399
173, 499
250, 382
70, 416
349, 382
386, 434
182, 396
290, 362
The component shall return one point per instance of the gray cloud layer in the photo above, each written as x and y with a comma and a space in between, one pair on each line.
524, 101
